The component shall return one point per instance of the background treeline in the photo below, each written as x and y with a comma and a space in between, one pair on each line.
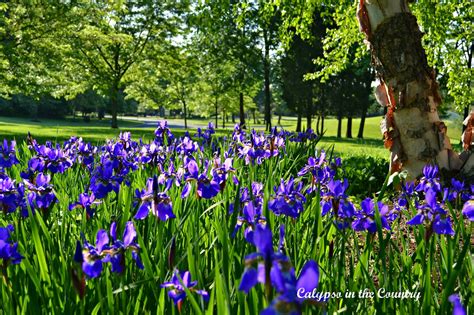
227, 61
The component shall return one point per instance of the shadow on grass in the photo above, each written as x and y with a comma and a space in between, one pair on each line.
370, 141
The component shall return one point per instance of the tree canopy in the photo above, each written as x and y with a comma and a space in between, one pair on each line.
213, 58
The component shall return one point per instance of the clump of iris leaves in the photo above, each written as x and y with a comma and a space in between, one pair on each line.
237, 224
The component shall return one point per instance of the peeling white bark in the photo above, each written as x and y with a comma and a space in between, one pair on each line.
381, 10
412, 129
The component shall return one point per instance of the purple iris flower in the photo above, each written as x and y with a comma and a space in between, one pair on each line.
7, 154
206, 188
433, 213
153, 153
41, 195
187, 146
170, 176
468, 210
314, 165
238, 135
259, 147
269, 263
430, 179
206, 135
8, 250
302, 137
53, 159
295, 291
333, 196
92, 257
163, 134
365, 218
408, 192
220, 171
86, 154
11, 196
121, 155
87, 202
103, 180
288, 199
251, 207
119, 247
155, 201
177, 292
457, 191
321, 170
458, 308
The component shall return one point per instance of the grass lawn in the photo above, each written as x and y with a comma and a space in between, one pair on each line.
97, 131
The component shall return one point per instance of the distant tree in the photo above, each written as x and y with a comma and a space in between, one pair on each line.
407, 81
83, 45
265, 18
88, 102
296, 63
232, 41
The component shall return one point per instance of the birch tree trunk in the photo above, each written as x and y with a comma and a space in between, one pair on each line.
412, 129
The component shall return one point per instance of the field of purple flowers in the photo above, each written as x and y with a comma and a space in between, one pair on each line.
246, 224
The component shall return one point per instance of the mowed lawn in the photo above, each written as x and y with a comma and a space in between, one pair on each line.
97, 131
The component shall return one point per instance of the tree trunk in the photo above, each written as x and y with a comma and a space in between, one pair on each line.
318, 121
224, 115
266, 73
412, 129
360, 134
185, 114
339, 126
322, 123
254, 119
241, 110
114, 103
298, 122
309, 109
465, 115
233, 118
217, 113
279, 119
349, 127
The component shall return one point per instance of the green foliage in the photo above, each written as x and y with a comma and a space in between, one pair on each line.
365, 173
348, 261
448, 28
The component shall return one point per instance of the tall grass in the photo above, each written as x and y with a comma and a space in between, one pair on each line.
398, 260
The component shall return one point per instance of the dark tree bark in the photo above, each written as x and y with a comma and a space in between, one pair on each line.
465, 115
469, 65
298, 122
266, 72
217, 113
114, 103
360, 134
317, 124
322, 123
224, 115
254, 119
185, 114
233, 118
349, 127
339, 126
309, 108
241, 110
279, 119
